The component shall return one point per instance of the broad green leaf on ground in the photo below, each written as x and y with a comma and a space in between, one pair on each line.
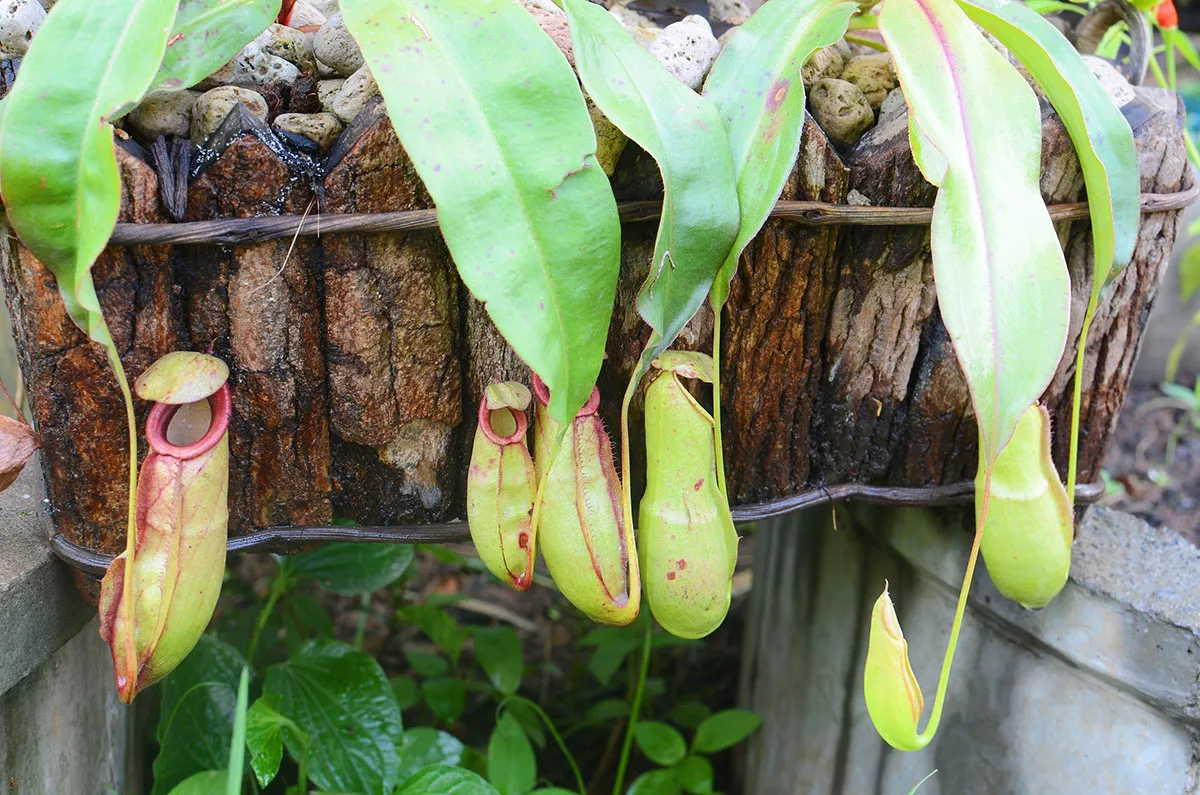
682, 131
725, 729
341, 699
421, 747
406, 691
1001, 279
695, 775
498, 650
756, 87
439, 626
207, 34
1102, 137
264, 738
662, 744
495, 123
58, 170
656, 782
205, 782
346, 568
199, 705
445, 697
511, 766
445, 780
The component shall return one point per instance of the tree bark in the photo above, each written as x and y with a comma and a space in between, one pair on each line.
358, 360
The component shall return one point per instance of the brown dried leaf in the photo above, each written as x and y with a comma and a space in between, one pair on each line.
18, 442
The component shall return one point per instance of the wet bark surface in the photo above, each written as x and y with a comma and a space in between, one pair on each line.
358, 360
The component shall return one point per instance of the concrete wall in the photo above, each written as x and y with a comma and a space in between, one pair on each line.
1097, 693
62, 729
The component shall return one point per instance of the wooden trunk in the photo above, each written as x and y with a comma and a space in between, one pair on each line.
358, 359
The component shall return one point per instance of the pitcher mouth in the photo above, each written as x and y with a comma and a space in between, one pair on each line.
485, 424
219, 403
542, 392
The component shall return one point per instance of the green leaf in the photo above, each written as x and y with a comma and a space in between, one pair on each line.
446, 697
199, 705
613, 646
207, 34
756, 87
656, 782
606, 710
529, 719
422, 747
341, 699
58, 170
439, 625
690, 714
662, 744
1180, 41
1189, 273
928, 776
237, 743
427, 664
725, 729
205, 782
553, 791
264, 738
406, 691
1102, 137
683, 133
695, 775
511, 766
504, 143
346, 568
1001, 278
445, 780
498, 650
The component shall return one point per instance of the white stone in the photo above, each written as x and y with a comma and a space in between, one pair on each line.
353, 94
255, 65
19, 21
1111, 80
734, 11
163, 113
326, 90
335, 47
213, 106
326, 7
687, 49
306, 14
320, 128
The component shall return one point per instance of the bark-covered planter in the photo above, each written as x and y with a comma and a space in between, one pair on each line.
356, 358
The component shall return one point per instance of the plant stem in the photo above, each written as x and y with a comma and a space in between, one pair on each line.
939, 701
718, 440
878, 46
1077, 396
634, 709
1170, 55
863, 22
279, 586
562, 745
360, 631
1156, 70
127, 594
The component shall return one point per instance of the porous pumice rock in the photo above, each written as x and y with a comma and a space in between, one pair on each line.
326, 89
644, 31
307, 15
214, 105
255, 65
19, 21
825, 62
841, 110
687, 49
610, 141
555, 26
875, 76
320, 128
326, 7
290, 44
353, 95
1111, 80
844, 48
735, 12
728, 35
336, 48
893, 106
163, 113
543, 5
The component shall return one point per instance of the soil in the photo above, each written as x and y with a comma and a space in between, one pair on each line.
1153, 462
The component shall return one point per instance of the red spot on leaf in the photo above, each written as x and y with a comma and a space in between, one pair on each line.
681, 564
523, 540
699, 485
175, 38
779, 92
670, 575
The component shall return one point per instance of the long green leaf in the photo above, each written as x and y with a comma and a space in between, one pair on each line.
494, 121
206, 34
1102, 137
237, 745
1002, 282
58, 168
681, 130
756, 88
